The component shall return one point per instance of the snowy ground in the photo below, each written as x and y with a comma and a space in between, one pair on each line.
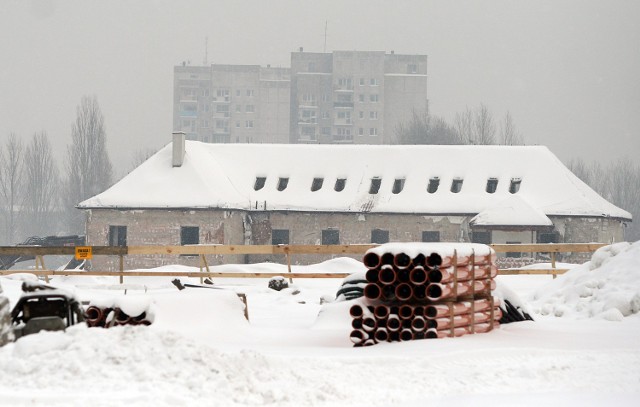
582, 349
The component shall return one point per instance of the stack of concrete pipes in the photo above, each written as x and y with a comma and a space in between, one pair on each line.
106, 317
425, 290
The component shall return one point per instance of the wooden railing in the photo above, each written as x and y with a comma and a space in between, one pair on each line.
38, 252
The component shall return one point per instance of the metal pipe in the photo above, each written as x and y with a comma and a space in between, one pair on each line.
372, 291
406, 335
356, 311
418, 324
356, 323
393, 323
381, 335
406, 311
381, 311
464, 273
358, 336
387, 275
418, 275
438, 291
369, 323
404, 292
372, 275
371, 260
94, 316
401, 260
456, 308
466, 319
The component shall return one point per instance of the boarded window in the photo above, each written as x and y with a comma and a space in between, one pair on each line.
189, 235
481, 237
433, 185
492, 185
117, 235
456, 185
282, 183
431, 236
279, 236
379, 236
259, 184
375, 185
515, 185
398, 185
330, 236
340, 184
317, 184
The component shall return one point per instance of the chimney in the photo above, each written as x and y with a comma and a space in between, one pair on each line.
178, 148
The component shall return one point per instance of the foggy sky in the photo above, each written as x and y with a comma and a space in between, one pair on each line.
567, 71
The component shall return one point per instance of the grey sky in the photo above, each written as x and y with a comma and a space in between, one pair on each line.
568, 71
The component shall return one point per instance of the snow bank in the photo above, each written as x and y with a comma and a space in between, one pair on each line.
607, 287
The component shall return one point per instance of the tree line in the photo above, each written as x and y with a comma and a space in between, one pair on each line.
37, 196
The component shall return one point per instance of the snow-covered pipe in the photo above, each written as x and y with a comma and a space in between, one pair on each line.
393, 323
371, 260
406, 311
437, 291
121, 317
480, 328
381, 335
369, 323
372, 275
356, 311
404, 292
418, 275
358, 336
381, 311
94, 316
356, 323
401, 260
420, 292
387, 275
418, 324
456, 308
464, 273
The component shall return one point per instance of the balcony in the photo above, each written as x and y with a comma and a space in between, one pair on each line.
343, 105
188, 113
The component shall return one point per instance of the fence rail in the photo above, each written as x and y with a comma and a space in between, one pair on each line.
288, 250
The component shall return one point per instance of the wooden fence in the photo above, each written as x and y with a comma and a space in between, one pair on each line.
38, 252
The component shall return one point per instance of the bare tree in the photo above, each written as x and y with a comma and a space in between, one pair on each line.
89, 169
140, 156
509, 136
425, 129
484, 129
463, 125
11, 170
41, 187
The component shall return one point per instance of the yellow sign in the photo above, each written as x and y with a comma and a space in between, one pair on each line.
84, 253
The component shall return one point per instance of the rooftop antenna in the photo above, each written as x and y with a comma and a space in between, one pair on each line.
206, 51
325, 36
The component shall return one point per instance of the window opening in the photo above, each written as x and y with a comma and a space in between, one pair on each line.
481, 237
279, 236
282, 183
330, 236
340, 184
189, 235
317, 184
492, 185
379, 236
259, 184
433, 185
456, 185
515, 185
375, 185
431, 236
117, 235
398, 185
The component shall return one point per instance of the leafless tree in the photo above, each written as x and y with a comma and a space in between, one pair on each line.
41, 187
484, 129
140, 156
11, 171
463, 125
425, 129
89, 169
509, 135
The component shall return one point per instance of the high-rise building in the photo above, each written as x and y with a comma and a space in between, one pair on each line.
357, 97
232, 103
352, 97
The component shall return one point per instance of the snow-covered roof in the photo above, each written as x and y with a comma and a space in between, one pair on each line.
513, 211
300, 177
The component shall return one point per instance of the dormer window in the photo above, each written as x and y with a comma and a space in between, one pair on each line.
398, 185
456, 185
515, 185
316, 184
433, 185
492, 185
340, 184
259, 184
375, 185
282, 183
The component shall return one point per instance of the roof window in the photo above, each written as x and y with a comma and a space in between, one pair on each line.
433, 185
398, 185
492, 185
375, 185
316, 184
340, 184
282, 183
515, 185
456, 185
259, 184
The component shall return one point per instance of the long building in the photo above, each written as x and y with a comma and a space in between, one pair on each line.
349, 97
198, 193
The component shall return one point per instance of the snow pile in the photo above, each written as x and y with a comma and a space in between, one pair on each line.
607, 287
